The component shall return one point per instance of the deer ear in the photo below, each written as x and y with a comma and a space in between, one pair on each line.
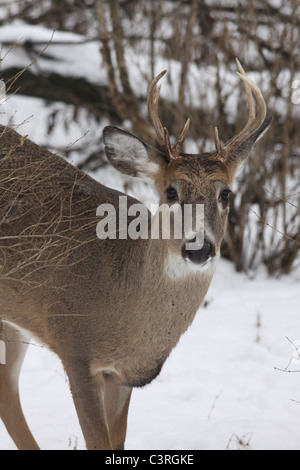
237, 158
130, 155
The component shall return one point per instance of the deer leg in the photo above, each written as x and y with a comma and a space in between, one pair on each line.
88, 395
11, 413
117, 398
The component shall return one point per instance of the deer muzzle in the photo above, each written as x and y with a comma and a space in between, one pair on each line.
198, 254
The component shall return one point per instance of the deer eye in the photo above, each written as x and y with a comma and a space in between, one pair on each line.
172, 194
224, 197
225, 194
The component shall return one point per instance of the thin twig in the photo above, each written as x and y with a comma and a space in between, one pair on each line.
274, 228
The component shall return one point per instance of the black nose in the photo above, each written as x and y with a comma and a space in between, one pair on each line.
200, 255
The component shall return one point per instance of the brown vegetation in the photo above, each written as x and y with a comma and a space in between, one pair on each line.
197, 39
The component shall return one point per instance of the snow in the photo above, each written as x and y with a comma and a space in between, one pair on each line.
18, 31
219, 386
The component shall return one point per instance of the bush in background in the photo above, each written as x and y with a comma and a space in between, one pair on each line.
128, 43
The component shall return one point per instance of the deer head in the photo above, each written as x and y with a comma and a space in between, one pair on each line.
182, 178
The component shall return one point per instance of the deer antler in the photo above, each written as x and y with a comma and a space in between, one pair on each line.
161, 132
254, 120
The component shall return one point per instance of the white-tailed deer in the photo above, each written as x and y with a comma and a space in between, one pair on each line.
112, 309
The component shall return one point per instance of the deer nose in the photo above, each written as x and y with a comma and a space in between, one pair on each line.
199, 255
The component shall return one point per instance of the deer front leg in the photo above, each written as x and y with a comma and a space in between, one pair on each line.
117, 398
88, 395
10, 408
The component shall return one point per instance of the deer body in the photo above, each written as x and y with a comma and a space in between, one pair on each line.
86, 272
111, 309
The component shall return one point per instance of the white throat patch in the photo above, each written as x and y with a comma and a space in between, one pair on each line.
177, 267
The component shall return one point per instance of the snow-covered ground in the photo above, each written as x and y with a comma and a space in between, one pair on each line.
219, 388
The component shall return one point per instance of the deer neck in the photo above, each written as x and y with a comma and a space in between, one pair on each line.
172, 277
167, 298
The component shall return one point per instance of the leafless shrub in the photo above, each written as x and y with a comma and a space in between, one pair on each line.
44, 225
197, 41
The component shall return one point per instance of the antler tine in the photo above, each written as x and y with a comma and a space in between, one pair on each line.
162, 133
168, 147
152, 101
262, 107
178, 146
220, 150
251, 104
255, 119
253, 122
